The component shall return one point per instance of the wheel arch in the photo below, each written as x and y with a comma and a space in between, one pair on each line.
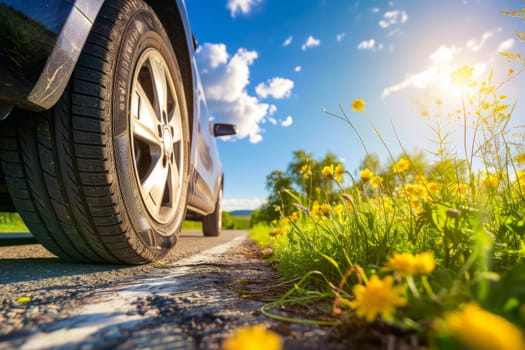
173, 17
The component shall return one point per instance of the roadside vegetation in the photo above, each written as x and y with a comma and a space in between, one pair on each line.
12, 222
428, 248
229, 222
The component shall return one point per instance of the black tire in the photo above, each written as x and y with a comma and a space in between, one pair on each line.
211, 224
81, 175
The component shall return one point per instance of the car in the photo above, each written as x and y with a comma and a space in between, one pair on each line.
106, 142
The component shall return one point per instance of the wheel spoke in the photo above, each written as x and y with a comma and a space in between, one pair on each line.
155, 183
174, 183
161, 87
145, 121
175, 124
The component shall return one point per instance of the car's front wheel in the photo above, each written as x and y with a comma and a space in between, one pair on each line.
103, 176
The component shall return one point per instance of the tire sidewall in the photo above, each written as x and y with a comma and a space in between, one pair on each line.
143, 32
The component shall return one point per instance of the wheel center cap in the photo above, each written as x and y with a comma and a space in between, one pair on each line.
166, 140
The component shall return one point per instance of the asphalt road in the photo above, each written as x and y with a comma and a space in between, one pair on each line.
186, 301
23, 259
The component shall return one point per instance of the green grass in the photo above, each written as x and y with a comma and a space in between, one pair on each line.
11, 222
260, 233
241, 222
192, 226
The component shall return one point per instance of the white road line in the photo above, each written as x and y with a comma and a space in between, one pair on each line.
116, 309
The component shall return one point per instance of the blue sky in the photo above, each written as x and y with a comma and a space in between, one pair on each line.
273, 66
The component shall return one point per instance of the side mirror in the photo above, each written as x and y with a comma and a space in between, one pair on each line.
220, 129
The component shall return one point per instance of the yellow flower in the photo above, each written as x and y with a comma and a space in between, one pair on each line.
306, 171
439, 101
23, 299
253, 338
402, 263
491, 180
277, 231
462, 188
338, 173
463, 76
378, 297
328, 170
366, 174
479, 329
424, 263
520, 158
339, 209
415, 202
315, 209
420, 179
376, 181
402, 165
420, 190
433, 187
410, 189
325, 209
358, 105
293, 216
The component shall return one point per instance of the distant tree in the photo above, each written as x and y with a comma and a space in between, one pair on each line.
279, 202
371, 162
227, 221
303, 176
258, 216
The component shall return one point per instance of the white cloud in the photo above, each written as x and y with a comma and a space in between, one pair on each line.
230, 204
288, 41
393, 17
375, 10
369, 45
225, 88
443, 54
298, 69
213, 55
506, 45
243, 6
310, 42
287, 122
339, 37
225, 79
418, 80
276, 87
476, 45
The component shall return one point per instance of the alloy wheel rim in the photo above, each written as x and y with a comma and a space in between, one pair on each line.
157, 137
